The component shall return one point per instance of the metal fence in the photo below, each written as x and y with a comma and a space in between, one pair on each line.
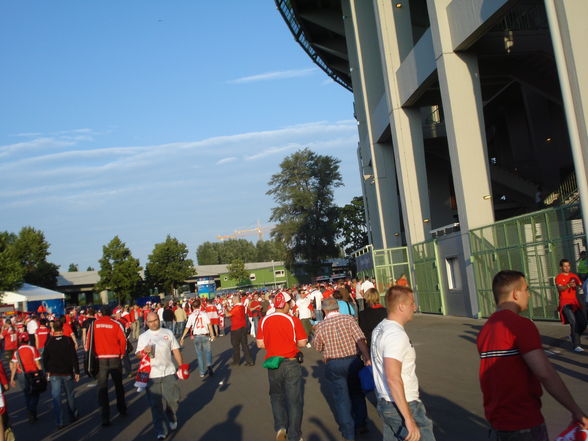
533, 244
390, 264
428, 284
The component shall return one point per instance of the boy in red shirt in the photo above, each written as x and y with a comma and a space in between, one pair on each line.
571, 310
513, 366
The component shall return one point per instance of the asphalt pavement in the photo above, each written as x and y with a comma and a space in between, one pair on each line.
233, 405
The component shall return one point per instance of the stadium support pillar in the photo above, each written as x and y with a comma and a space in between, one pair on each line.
395, 40
379, 170
569, 33
462, 106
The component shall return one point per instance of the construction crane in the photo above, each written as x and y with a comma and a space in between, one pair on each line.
259, 230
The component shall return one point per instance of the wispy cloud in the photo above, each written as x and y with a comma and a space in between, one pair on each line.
276, 75
227, 160
272, 151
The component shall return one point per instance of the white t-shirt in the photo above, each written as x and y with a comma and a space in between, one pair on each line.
316, 296
304, 311
358, 294
162, 364
199, 321
366, 285
160, 314
32, 326
389, 340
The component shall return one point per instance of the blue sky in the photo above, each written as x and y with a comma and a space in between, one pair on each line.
143, 118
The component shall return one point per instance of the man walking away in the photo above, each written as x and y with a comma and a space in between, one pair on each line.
163, 392
168, 318
25, 359
239, 331
61, 364
513, 366
281, 335
110, 345
203, 335
394, 365
180, 317
341, 341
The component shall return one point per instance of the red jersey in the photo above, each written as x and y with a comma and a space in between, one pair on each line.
512, 393
280, 332
67, 330
10, 339
237, 317
28, 354
109, 338
568, 296
42, 334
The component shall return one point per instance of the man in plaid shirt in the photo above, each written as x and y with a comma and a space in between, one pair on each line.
341, 341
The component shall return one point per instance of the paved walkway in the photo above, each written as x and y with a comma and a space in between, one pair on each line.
234, 404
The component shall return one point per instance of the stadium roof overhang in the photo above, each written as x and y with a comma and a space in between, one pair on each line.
317, 25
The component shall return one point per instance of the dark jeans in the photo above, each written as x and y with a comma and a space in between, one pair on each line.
577, 322
285, 389
31, 398
169, 325
346, 395
62, 383
179, 329
113, 367
394, 427
537, 433
239, 337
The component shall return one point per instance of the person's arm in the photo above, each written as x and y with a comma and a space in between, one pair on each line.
12, 373
301, 343
365, 351
552, 382
211, 331
178, 356
393, 374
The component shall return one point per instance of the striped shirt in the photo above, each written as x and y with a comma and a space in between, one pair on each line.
337, 336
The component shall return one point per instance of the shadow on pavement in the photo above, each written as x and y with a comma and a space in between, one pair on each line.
229, 430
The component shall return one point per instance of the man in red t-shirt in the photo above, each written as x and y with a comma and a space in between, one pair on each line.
571, 310
281, 335
10, 337
239, 332
513, 366
41, 335
27, 357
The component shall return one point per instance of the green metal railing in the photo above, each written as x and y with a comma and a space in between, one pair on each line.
533, 244
390, 264
427, 276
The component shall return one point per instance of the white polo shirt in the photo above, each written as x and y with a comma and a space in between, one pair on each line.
389, 340
198, 321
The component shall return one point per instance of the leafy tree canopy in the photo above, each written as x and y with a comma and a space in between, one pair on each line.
73, 268
305, 213
168, 265
90, 268
11, 270
352, 225
119, 270
236, 271
214, 253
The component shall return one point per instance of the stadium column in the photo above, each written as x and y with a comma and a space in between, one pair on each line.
461, 96
395, 41
569, 33
379, 170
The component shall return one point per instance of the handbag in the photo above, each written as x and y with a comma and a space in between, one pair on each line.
366, 378
36, 380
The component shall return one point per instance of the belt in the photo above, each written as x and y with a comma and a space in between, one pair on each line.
340, 358
203, 335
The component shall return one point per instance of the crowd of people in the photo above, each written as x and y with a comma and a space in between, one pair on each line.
345, 321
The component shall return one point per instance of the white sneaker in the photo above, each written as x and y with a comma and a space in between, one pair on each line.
281, 435
173, 426
578, 349
160, 436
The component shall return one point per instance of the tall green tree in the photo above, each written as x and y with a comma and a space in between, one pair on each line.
215, 253
268, 250
352, 225
119, 270
31, 249
73, 268
305, 214
11, 270
236, 271
90, 268
168, 265
207, 253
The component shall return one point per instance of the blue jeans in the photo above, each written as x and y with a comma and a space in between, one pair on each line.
169, 325
63, 383
163, 395
394, 427
179, 329
285, 389
203, 352
319, 315
348, 399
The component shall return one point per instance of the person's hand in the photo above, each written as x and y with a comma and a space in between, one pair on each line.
13, 383
182, 341
77, 377
367, 362
414, 434
6, 386
581, 420
147, 349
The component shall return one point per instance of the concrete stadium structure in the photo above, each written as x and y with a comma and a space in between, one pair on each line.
473, 143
